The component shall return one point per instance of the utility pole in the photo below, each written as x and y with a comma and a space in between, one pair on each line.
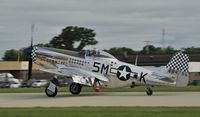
18, 56
163, 39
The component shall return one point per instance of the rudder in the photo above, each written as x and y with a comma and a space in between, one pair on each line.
178, 68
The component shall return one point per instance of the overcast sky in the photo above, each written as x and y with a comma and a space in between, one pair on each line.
117, 23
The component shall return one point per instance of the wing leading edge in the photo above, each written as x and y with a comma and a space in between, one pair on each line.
71, 71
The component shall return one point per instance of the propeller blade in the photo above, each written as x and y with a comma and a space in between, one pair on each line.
30, 61
30, 64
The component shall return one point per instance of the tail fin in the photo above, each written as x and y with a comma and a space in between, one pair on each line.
178, 69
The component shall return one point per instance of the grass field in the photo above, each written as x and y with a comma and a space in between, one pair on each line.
102, 112
90, 89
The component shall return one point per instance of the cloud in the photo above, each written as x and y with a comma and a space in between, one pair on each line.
117, 23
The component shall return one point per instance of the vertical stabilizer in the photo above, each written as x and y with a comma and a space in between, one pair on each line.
178, 68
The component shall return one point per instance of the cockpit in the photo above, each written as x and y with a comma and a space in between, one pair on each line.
95, 53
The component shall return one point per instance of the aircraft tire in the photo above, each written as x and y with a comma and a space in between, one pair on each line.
75, 88
149, 91
50, 93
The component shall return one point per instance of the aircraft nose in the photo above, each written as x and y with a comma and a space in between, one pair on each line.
28, 50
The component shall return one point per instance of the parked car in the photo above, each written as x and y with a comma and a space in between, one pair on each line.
15, 84
26, 84
39, 83
4, 84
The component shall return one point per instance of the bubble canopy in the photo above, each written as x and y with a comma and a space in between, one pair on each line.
96, 53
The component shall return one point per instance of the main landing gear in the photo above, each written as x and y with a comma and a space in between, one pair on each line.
51, 93
75, 88
51, 90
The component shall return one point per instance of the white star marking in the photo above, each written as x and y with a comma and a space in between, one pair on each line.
123, 73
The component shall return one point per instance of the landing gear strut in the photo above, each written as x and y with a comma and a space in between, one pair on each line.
75, 88
149, 91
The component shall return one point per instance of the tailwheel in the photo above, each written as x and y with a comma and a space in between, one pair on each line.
51, 90
149, 91
75, 88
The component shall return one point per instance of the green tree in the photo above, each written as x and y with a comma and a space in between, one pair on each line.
150, 49
73, 38
191, 50
12, 55
170, 50
123, 51
43, 45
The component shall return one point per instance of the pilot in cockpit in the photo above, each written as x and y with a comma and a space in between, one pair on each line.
92, 53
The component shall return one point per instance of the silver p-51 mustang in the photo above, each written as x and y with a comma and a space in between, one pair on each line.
100, 69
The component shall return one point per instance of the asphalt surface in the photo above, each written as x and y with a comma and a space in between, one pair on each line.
171, 99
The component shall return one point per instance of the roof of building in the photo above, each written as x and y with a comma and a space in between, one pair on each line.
194, 66
15, 65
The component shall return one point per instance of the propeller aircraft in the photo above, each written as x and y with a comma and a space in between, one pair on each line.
99, 69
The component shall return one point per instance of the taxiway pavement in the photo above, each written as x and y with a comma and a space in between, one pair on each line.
164, 99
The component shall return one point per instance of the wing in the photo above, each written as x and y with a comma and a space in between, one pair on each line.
71, 71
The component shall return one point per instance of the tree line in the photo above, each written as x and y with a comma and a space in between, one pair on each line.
76, 38
150, 49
